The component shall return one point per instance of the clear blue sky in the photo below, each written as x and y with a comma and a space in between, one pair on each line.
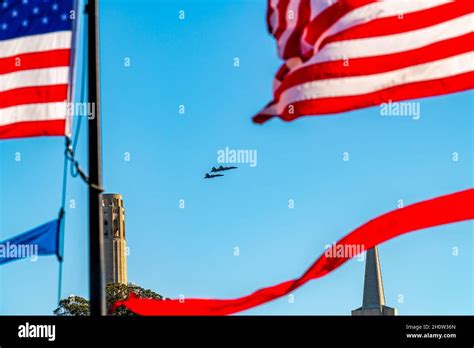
190, 251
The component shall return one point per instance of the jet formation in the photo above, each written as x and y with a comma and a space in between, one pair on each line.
212, 176
216, 170
221, 169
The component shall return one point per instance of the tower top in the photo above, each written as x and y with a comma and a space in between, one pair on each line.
373, 302
115, 248
113, 199
374, 296
112, 195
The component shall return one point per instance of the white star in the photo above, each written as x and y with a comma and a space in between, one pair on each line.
4, 26
55, 7
44, 20
24, 23
35, 10
63, 16
14, 13
5, 4
25, 2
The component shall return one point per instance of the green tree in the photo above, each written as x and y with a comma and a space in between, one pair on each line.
120, 292
77, 306
73, 306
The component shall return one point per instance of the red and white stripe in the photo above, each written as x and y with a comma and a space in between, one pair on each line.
344, 55
34, 85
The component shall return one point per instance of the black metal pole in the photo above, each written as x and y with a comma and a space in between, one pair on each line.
96, 264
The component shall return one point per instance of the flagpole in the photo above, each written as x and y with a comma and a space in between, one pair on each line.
96, 263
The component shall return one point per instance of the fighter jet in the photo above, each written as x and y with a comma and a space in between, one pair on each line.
212, 176
221, 169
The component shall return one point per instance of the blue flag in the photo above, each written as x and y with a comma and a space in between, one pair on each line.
42, 240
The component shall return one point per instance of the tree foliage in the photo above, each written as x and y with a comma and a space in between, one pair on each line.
72, 306
120, 292
79, 306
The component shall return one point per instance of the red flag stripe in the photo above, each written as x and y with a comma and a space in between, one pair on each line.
415, 90
327, 18
33, 129
377, 64
434, 212
282, 8
314, 20
33, 95
367, 84
408, 22
357, 38
36, 60
360, 13
291, 46
381, 46
35, 78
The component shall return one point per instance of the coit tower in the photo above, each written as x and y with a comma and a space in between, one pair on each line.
115, 258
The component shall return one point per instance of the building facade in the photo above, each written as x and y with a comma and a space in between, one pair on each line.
115, 258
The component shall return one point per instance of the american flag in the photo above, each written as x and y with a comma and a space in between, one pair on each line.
35, 66
344, 55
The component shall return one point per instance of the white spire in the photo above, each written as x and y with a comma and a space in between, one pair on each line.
373, 285
373, 302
